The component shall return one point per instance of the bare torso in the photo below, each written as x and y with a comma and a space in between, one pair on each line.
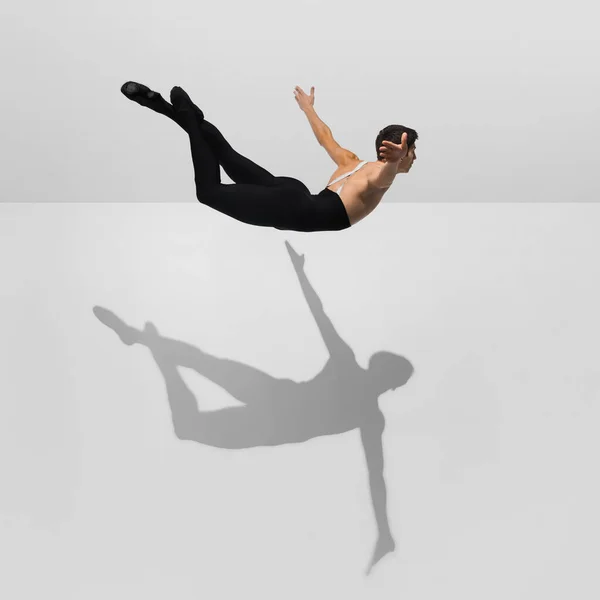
359, 195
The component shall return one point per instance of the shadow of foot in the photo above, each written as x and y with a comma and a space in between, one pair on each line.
129, 335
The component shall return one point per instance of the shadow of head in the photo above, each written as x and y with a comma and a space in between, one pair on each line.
389, 371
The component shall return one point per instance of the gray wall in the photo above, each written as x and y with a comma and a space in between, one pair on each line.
205, 462
504, 99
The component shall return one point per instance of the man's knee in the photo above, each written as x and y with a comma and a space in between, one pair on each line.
205, 194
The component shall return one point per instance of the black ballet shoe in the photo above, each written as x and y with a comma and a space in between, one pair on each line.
140, 93
182, 103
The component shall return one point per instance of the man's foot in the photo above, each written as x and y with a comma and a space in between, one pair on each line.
182, 103
141, 94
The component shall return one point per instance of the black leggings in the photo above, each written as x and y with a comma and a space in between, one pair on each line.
257, 197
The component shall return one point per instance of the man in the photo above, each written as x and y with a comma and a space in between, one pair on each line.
259, 198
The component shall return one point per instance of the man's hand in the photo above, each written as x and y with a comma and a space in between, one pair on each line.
393, 152
304, 101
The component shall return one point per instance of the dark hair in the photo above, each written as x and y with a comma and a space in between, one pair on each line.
393, 133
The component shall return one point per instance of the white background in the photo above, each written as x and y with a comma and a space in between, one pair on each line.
503, 97
490, 448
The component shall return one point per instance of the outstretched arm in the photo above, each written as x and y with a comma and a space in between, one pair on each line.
306, 103
339, 155
335, 344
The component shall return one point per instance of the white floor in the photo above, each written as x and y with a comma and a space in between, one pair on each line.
490, 448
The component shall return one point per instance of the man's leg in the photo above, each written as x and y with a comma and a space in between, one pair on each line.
206, 167
238, 168
280, 206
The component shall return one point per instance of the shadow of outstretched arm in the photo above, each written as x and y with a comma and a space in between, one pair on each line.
371, 435
335, 344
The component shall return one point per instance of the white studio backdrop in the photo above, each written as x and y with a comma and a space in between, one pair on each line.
490, 447
503, 97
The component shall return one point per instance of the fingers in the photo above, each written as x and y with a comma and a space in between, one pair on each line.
299, 89
402, 143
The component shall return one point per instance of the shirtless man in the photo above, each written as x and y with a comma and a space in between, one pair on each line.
259, 198
362, 192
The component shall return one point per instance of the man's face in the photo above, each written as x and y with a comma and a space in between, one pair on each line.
407, 161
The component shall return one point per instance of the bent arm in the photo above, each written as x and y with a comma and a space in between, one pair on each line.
386, 175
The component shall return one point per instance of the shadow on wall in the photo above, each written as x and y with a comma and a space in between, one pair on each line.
342, 397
